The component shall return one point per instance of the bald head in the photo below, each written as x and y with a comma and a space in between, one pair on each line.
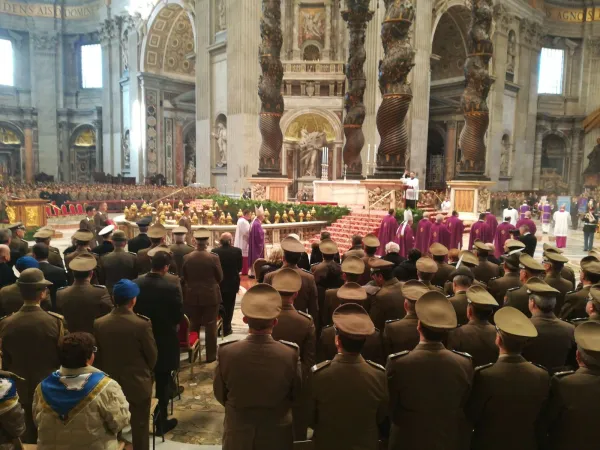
226, 239
528, 215
4, 253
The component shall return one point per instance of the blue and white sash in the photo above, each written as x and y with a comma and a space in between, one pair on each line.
8, 394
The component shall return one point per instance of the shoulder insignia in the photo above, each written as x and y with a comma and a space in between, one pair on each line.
485, 366
579, 320
392, 321
100, 286
61, 288
564, 374
540, 366
54, 250
398, 355
439, 287
571, 292
142, 317
190, 246
290, 344
314, 264
494, 278
319, 366
308, 316
374, 364
228, 342
326, 326
58, 316
465, 354
2, 318
449, 296
306, 271
131, 253
513, 289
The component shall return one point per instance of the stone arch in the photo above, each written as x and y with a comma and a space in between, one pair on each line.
555, 153
82, 150
449, 42
12, 140
171, 37
311, 46
290, 116
436, 164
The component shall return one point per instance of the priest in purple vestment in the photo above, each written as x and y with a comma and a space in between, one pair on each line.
479, 230
546, 209
502, 235
423, 234
256, 239
456, 228
529, 222
387, 231
440, 232
405, 236
523, 209
490, 219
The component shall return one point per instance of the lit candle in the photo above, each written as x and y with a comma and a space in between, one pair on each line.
376, 153
369, 155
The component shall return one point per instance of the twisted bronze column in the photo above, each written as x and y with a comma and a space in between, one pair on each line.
357, 15
269, 89
474, 98
397, 95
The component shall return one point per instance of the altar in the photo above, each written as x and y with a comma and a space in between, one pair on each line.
344, 193
30, 212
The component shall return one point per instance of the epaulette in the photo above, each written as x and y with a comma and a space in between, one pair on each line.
307, 271
465, 354
540, 366
326, 326
142, 317
61, 288
449, 296
58, 316
100, 286
398, 355
494, 278
131, 253
308, 316
563, 374
377, 366
54, 249
319, 366
579, 320
439, 287
392, 321
228, 342
290, 344
571, 292
4, 317
513, 289
485, 366
315, 264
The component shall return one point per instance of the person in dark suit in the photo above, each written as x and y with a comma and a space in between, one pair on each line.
7, 276
407, 270
231, 263
101, 220
56, 275
106, 246
160, 301
528, 239
87, 223
5, 239
141, 241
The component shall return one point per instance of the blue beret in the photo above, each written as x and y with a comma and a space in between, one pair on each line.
126, 289
26, 262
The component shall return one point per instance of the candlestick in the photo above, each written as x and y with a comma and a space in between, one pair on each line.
368, 158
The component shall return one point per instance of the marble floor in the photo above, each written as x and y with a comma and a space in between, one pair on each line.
200, 415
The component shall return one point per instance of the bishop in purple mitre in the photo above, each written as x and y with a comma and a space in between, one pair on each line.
479, 230
492, 222
440, 232
523, 209
256, 239
502, 235
456, 228
423, 234
405, 236
387, 231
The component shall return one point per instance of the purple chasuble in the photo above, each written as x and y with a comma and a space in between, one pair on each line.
256, 242
440, 234
405, 238
479, 230
492, 223
423, 235
387, 232
456, 228
502, 235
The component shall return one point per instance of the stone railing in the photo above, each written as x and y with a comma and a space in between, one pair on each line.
320, 67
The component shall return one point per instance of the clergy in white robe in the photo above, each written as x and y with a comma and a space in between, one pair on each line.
562, 222
242, 232
512, 213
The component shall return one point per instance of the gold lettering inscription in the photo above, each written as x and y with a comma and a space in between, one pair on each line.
50, 11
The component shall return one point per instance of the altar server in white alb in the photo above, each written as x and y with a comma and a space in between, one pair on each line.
562, 222
242, 232
412, 193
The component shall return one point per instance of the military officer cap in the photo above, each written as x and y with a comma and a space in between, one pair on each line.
377, 264
352, 321
119, 236
436, 312
16, 226
539, 287
511, 259
437, 249
478, 295
587, 337
44, 233
467, 257
352, 292
292, 245
180, 230
527, 262
591, 267
490, 247
126, 289
353, 265
83, 263
106, 230
159, 248
261, 301
294, 235
413, 290
594, 254
287, 281
480, 245
513, 244
427, 265
462, 270
201, 234
511, 321
594, 296
33, 278
328, 247
157, 231
370, 240
552, 257
551, 248
83, 236
144, 222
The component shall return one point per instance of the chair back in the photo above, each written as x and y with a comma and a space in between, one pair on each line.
72, 209
258, 265
80, 209
183, 335
64, 211
48, 211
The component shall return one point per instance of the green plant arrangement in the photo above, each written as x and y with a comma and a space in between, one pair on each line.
417, 215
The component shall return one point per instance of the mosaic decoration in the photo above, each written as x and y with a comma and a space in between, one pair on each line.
151, 98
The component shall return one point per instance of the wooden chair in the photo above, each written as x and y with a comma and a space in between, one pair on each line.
189, 342
64, 211
80, 209
257, 266
72, 210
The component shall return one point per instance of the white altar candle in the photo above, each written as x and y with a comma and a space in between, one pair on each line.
376, 153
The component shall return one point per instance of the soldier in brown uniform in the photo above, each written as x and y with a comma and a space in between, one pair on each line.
297, 327
100, 220
43, 236
82, 241
186, 222
371, 245
349, 397
511, 388
257, 379
328, 274
307, 297
127, 353
439, 253
83, 302
519, 297
388, 303
11, 299
201, 274
87, 223
17, 244
119, 264
462, 280
485, 270
555, 341
574, 406
498, 286
352, 269
430, 385
180, 248
467, 260
401, 334
426, 270
478, 336
566, 272
29, 340
156, 233
576, 301
372, 350
356, 249
554, 263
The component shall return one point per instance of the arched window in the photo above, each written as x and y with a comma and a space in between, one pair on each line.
7, 74
312, 53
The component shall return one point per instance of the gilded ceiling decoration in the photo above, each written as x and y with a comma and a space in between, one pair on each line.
310, 123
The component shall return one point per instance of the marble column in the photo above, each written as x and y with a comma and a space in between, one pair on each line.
450, 150
537, 158
28, 152
203, 85
99, 140
296, 52
327, 49
179, 156
421, 77
64, 150
575, 178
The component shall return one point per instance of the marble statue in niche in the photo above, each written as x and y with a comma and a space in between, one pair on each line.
310, 145
189, 175
511, 52
220, 135
125, 149
222, 15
